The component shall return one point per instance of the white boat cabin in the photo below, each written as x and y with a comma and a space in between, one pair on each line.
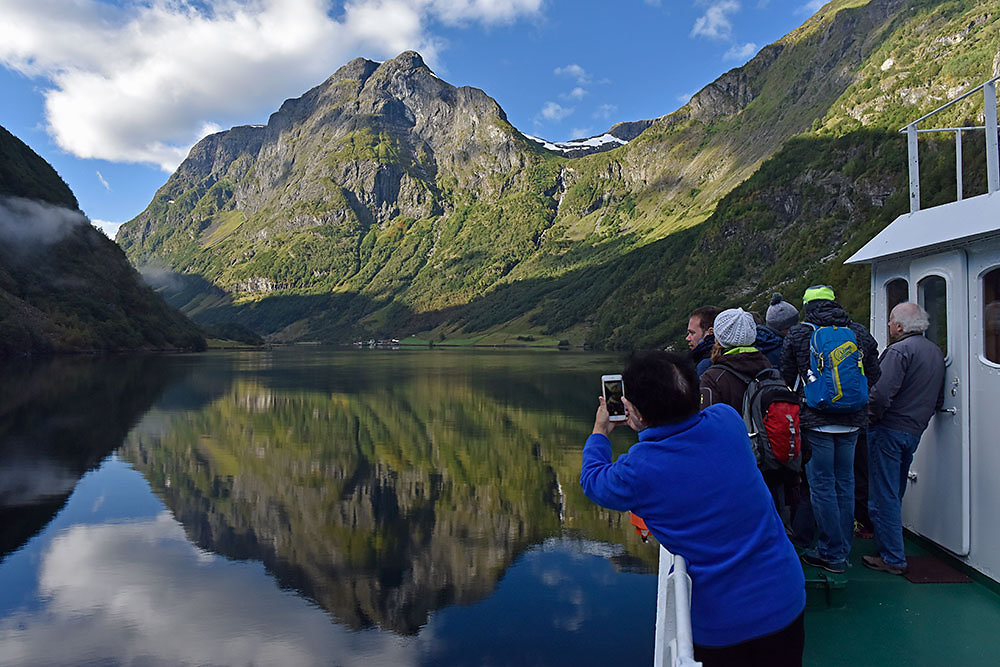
947, 259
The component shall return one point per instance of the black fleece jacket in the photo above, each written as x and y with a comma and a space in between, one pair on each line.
795, 360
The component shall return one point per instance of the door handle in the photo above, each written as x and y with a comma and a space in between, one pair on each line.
952, 411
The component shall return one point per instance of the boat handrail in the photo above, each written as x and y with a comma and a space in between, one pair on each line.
948, 104
674, 644
992, 152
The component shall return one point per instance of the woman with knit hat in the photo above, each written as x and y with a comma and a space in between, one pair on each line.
733, 356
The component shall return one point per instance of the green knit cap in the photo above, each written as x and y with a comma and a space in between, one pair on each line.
818, 292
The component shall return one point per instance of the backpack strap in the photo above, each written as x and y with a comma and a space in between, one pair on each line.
812, 351
745, 379
745, 412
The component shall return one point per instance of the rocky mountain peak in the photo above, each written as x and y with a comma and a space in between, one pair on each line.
405, 61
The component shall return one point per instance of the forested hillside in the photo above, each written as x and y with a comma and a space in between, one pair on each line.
386, 203
64, 286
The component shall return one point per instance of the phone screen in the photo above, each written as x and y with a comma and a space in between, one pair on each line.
614, 391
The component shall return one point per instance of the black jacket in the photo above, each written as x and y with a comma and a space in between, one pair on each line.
769, 342
795, 360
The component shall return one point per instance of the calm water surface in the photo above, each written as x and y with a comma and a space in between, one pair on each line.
313, 507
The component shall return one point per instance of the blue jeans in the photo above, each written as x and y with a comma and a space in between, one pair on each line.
890, 453
831, 491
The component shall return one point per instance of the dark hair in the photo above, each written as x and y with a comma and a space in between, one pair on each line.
663, 386
706, 316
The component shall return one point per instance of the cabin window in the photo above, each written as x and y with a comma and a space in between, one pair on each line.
991, 316
933, 294
896, 292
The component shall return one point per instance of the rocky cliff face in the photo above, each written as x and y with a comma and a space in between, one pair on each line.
385, 201
372, 143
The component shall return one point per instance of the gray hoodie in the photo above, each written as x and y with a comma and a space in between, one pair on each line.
911, 388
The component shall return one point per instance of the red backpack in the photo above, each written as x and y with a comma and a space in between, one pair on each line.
771, 414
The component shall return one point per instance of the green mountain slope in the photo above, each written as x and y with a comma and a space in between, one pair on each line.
64, 286
386, 202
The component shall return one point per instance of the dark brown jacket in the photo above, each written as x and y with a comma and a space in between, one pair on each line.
720, 386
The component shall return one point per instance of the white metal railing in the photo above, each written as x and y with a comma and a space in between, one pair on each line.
674, 645
992, 160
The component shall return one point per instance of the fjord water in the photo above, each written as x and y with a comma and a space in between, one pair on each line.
311, 506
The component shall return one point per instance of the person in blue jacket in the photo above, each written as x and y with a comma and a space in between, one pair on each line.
693, 478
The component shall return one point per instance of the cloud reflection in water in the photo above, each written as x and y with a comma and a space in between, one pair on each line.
139, 592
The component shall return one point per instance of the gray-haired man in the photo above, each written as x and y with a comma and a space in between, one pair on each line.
906, 396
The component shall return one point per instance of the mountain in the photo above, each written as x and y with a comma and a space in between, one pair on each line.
386, 202
64, 286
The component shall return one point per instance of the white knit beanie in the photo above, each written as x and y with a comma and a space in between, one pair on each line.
735, 328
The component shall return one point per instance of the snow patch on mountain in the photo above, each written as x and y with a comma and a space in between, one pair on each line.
601, 141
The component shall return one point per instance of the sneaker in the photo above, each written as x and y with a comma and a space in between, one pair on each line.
816, 561
876, 563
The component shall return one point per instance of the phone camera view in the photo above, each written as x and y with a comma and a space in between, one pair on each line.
613, 393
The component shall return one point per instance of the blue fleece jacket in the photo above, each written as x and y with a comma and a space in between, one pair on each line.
697, 486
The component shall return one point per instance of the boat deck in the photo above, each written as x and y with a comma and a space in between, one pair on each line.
874, 618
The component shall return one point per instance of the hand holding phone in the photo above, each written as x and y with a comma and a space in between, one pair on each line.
613, 390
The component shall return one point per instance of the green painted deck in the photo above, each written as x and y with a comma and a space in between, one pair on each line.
874, 618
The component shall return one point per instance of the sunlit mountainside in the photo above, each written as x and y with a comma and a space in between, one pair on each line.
386, 202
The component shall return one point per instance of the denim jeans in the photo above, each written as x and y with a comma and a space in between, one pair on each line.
831, 492
890, 453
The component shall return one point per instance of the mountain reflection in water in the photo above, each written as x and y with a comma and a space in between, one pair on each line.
384, 488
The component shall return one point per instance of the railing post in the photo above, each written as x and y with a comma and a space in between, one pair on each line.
673, 643
666, 631
911, 149
992, 161
958, 163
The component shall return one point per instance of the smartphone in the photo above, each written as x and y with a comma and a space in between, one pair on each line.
614, 392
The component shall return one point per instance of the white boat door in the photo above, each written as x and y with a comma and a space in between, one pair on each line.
936, 504
984, 388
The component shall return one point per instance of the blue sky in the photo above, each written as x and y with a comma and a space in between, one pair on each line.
113, 94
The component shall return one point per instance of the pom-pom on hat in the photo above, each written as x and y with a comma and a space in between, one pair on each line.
735, 328
818, 292
780, 314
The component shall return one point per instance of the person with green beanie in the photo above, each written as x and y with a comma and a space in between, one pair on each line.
830, 436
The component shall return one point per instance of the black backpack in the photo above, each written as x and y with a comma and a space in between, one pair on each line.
771, 415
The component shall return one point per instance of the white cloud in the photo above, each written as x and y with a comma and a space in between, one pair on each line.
104, 182
110, 229
716, 23
555, 111
577, 93
28, 221
684, 98
573, 71
605, 111
485, 11
741, 52
580, 132
144, 81
811, 7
